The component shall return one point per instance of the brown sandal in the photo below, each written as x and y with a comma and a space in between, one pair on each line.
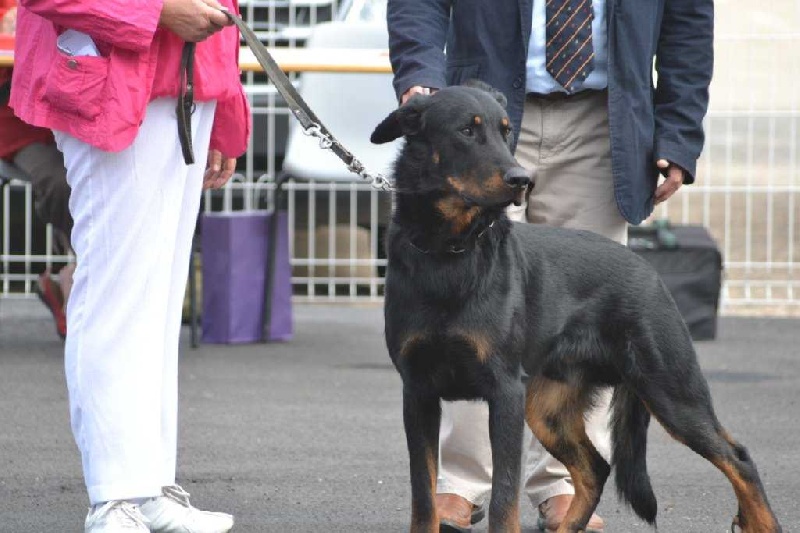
50, 294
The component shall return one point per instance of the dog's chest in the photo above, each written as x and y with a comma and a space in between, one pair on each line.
453, 363
451, 324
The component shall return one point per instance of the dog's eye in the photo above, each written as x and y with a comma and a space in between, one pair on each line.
468, 131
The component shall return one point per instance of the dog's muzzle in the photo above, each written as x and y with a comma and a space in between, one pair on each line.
518, 178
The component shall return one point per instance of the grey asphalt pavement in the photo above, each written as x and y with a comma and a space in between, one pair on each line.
307, 436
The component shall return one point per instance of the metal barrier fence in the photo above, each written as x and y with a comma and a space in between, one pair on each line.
747, 184
746, 192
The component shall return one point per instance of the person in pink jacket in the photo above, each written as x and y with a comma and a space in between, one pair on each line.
105, 77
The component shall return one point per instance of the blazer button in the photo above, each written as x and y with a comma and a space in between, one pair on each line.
72, 64
517, 83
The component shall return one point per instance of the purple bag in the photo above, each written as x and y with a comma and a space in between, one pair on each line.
242, 251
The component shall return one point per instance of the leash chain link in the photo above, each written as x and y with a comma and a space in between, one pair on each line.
377, 181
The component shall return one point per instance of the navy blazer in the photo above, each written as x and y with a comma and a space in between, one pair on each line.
488, 40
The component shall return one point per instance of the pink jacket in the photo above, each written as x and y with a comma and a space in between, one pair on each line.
102, 100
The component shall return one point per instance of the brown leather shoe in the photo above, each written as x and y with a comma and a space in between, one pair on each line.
457, 514
552, 511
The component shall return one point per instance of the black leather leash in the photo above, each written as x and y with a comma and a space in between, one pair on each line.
185, 106
299, 108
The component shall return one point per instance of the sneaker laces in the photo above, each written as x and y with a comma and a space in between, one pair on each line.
129, 515
133, 516
172, 512
177, 494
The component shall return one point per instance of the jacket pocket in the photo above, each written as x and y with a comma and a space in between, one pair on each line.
458, 72
76, 85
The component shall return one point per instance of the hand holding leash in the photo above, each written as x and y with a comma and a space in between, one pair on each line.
193, 20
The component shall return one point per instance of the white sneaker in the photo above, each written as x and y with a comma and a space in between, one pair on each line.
116, 517
172, 513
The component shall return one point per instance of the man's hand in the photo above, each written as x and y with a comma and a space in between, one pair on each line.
673, 179
193, 20
416, 89
219, 170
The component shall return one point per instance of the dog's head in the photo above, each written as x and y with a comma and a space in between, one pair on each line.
458, 143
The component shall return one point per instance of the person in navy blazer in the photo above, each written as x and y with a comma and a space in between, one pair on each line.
605, 154
648, 121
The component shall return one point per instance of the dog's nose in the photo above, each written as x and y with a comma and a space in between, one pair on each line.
517, 177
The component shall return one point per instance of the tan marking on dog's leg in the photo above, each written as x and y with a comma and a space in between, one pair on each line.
752, 501
433, 469
418, 526
435, 158
555, 414
755, 512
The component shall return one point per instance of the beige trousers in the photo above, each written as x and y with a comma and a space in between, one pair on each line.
567, 142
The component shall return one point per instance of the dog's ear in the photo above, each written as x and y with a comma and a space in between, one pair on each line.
405, 120
478, 84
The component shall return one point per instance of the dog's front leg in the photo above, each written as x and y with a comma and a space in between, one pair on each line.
421, 416
506, 422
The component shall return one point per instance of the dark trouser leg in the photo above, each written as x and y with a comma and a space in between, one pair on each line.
45, 165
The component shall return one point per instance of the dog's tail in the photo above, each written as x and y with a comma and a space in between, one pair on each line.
629, 454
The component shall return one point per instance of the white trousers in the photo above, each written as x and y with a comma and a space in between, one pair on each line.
567, 141
135, 213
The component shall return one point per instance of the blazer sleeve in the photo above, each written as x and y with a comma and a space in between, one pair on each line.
417, 37
684, 63
129, 24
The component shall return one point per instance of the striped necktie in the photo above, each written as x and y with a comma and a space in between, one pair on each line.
569, 51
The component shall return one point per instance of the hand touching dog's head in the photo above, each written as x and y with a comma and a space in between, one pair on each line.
458, 141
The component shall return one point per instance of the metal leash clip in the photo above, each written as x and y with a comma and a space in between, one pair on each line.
325, 141
377, 181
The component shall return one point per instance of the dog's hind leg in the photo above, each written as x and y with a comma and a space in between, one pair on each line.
697, 427
678, 397
555, 413
506, 425
755, 514
421, 417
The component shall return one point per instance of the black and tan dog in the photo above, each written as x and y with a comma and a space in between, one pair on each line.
534, 320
